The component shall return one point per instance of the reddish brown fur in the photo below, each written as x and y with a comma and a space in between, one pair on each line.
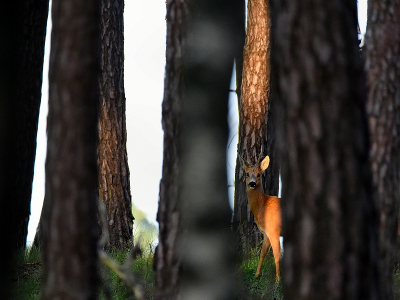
266, 210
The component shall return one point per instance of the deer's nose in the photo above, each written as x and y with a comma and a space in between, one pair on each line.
252, 184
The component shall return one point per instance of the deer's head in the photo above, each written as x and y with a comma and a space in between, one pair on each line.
253, 172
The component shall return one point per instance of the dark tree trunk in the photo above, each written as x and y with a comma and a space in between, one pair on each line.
114, 185
30, 67
329, 217
383, 106
167, 264
205, 243
252, 113
271, 175
22, 30
10, 30
70, 209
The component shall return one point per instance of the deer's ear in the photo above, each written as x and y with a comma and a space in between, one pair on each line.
264, 164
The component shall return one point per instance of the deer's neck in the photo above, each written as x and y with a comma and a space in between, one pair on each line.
256, 197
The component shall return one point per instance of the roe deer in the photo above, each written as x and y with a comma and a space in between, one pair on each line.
266, 210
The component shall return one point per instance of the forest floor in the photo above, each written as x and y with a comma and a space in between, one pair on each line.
28, 274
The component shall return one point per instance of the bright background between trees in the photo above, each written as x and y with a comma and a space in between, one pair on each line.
144, 79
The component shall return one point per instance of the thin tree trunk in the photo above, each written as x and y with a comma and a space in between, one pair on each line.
114, 184
10, 29
383, 106
70, 209
22, 30
252, 112
329, 217
204, 245
271, 175
167, 264
30, 67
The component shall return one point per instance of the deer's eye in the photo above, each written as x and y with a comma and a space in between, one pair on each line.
258, 175
247, 174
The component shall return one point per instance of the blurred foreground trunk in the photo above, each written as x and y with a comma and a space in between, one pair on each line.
70, 206
206, 243
329, 217
383, 106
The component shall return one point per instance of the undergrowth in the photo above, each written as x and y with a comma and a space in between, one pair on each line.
29, 269
396, 286
263, 287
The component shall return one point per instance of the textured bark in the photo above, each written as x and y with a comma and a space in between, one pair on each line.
166, 261
329, 217
383, 107
22, 32
270, 178
252, 112
70, 206
239, 55
204, 246
114, 184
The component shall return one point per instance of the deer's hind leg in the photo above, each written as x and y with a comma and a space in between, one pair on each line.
265, 247
276, 249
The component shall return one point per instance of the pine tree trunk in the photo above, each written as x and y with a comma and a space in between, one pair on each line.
383, 107
239, 55
30, 67
252, 113
271, 175
168, 216
22, 32
114, 184
205, 242
70, 210
329, 217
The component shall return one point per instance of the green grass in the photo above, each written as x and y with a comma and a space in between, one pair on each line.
396, 286
263, 287
29, 268
142, 268
28, 273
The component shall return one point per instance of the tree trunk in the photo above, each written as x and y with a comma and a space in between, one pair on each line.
271, 175
30, 67
22, 30
114, 184
239, 55
70, 208
167, 264
329, 217
252, 113
383, 107
204, 245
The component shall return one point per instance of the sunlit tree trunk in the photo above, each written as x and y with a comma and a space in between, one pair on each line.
70, 210
252, 112
383, 106
239, 55
330, 224
114, 185
167, 264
